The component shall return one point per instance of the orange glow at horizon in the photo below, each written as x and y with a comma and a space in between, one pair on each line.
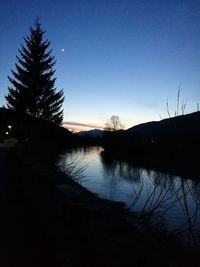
77, 128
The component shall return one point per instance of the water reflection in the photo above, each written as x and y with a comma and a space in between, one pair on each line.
163, 199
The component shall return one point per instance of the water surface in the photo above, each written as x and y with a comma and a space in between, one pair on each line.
171, 201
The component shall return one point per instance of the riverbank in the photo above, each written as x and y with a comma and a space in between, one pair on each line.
73, 227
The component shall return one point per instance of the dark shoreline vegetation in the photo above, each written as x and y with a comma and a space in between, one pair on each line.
73, 227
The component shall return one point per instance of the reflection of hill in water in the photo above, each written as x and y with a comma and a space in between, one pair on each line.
121, 169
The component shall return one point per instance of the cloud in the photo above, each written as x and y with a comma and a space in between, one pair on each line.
87, 125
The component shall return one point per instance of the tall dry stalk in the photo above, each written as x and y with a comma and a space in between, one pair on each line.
183, 105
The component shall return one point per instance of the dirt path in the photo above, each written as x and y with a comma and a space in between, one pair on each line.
11, 248
15, 244
8, 246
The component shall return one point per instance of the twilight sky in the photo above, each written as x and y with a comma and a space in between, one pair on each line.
114, 57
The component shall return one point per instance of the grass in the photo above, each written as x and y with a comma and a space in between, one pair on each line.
75, 168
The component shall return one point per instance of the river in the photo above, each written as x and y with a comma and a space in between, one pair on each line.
170, 201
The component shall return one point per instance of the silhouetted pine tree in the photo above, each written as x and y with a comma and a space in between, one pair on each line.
32, 89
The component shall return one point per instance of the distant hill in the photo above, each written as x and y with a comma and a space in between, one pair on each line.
176, 137
180, 127
141, 128
95, 133
171, 145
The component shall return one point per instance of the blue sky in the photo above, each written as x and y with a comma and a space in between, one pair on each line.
121, 58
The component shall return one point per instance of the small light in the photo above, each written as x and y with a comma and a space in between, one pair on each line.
9, 126
7, 133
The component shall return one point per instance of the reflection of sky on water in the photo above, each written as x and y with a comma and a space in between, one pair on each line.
173, 201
